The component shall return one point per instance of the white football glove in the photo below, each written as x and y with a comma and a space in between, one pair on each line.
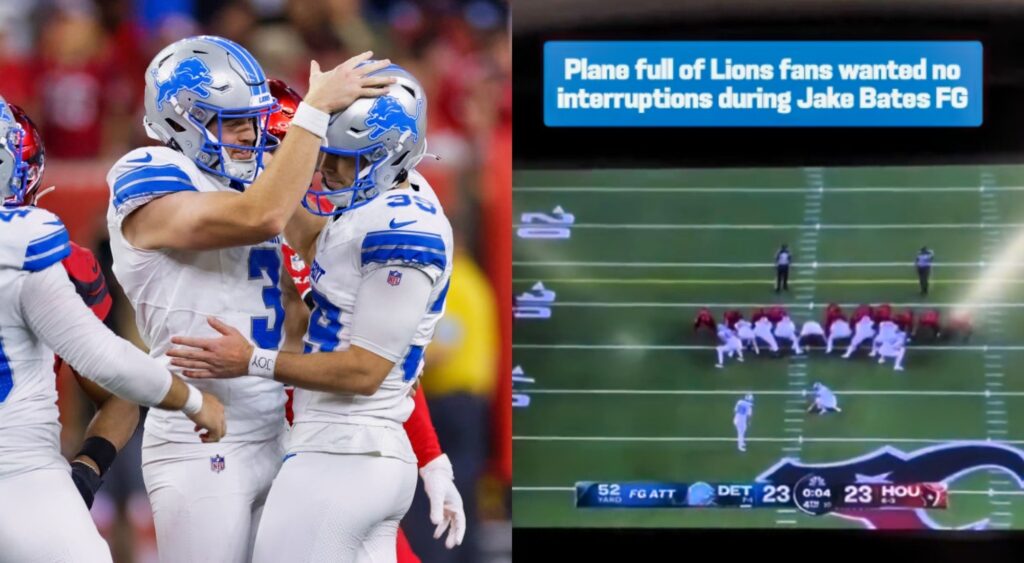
445, 501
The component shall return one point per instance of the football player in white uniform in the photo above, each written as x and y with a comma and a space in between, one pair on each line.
811, 333
745, 331
730, 344
742, 412
840, 330
894, 346
785, 329
824, 400
886, 331
763, 330
865, 330
194, 228
379, 273
42, 516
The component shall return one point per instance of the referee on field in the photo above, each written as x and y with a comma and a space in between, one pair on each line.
782, 260
924, 267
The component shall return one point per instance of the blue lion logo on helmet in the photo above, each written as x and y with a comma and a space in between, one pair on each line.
191, 74
387, 115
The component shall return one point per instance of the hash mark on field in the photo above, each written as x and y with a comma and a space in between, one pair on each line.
786, 522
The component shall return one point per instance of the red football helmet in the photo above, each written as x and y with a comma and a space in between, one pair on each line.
33, 154
289, 100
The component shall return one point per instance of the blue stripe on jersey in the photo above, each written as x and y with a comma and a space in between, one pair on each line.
150, 181
438, 305
412, 362
45, 251
6, 374
405, 246
403, 238
406, 255
256, 79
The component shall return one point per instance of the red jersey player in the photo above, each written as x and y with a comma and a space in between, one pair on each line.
882, 313
960, 324
860, 313
833, 313
931, 320
757, 314
704, 319
419, 427
732, 317
905, 321
776, 313
116, 418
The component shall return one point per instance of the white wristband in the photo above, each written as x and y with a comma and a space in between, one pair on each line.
311, 119
194, 403
261, 363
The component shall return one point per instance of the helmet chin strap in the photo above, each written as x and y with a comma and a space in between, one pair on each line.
41, 193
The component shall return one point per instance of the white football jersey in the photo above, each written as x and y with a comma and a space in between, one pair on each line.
401, 227
174, 291
31, 239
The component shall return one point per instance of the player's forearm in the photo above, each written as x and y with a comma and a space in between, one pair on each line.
279, 190
115, 421
55, 312
296, 315
301, 233
355, 370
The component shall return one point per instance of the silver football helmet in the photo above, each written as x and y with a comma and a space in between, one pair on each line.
12, 167
385, 135
192, 87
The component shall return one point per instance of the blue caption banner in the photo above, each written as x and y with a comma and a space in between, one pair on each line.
763, 84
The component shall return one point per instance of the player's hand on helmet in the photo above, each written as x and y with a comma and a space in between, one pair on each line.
210, 419
336, 89
446, 507
226, 356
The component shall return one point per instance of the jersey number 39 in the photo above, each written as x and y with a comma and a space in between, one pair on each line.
266, 261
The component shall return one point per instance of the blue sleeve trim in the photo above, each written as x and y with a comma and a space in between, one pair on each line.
438, 305
412, 362
150, 181
45, 251
408, 247
406, 256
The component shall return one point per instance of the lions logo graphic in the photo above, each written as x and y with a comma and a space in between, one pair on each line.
191, 74
387, 115
943, 463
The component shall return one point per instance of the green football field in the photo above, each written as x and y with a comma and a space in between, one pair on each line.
621, 389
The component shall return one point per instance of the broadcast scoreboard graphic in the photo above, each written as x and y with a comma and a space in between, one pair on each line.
622, 419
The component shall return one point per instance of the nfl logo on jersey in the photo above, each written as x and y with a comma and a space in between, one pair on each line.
394, 277
217, 463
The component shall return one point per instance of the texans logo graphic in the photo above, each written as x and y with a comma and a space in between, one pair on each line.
942, 463
191, 74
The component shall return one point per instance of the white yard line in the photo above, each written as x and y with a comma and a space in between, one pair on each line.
802, 393
732, 439
766, 189
736, 305
779, 227
974, 348
812, 264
